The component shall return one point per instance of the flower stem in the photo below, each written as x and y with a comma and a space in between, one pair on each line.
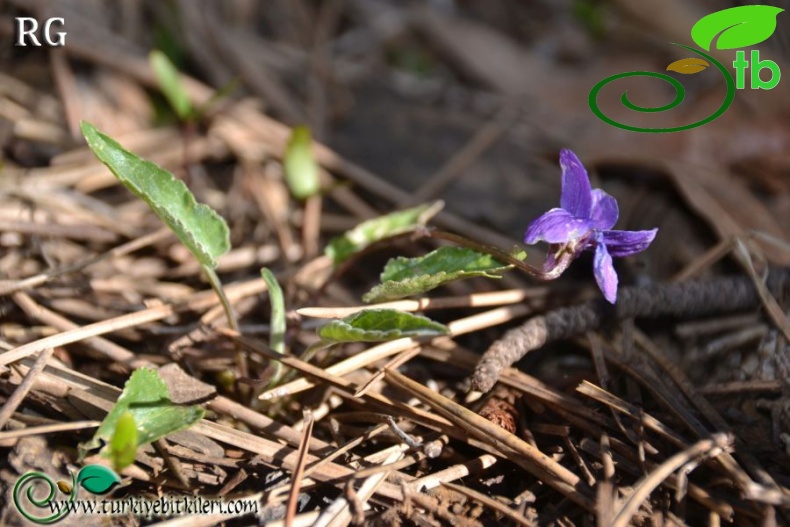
556, 270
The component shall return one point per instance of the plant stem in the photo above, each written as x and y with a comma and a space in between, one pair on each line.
233, 323
558, 267
216, 284
555, 271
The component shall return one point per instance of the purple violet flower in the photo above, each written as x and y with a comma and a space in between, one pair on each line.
584, 221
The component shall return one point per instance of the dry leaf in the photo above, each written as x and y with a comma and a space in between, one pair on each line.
183, 388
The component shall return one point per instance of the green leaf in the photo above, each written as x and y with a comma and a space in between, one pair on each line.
370, 231
159, 420
277, 325
201, 229
146, 397
97, 479
123, 445
301, 169
277, 319
170, 83
404, 277
377, 325
143, 387
737, 27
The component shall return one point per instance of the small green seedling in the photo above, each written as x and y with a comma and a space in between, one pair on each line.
145, 406
301, 169
169, 79
170, 83
123, 445
198, 226
276, 321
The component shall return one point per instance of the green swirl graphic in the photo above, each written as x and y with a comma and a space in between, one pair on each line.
30, 478
680, 94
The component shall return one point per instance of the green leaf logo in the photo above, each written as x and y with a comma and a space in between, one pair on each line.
24, 497
737, 27
97, 479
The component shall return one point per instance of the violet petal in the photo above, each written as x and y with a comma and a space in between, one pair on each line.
626, 243
576, 196
556, 226
604, 211
604, 272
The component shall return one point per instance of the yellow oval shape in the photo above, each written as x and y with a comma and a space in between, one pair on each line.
64, 487
688, 66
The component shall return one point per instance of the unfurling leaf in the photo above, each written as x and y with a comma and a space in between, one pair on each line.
277, 323
688, 66
201, 229
277, 319
123, 445
378, 325
170, 83
737, 27
370, 231
301, 168
404, 277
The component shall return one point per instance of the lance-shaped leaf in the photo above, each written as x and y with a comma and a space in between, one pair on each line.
737, 27
201, 229
370, 231
404, 277
277, 324
170, 83
277, 319
688, 66
146, 397
301, 168
378, 325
